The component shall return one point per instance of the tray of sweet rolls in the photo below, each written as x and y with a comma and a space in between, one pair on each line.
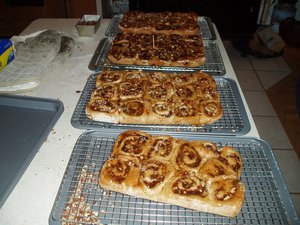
259, 185
206, 29
225, 116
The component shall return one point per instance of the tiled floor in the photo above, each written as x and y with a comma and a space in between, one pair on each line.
255, 76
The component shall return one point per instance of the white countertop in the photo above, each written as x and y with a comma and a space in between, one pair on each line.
32, 199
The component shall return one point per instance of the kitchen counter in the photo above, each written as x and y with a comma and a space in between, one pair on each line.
32, 199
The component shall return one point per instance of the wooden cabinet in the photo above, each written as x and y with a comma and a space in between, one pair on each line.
77, 8
15, 16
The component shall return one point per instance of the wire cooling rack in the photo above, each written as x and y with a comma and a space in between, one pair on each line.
207, 31
81, 201
234, 121
214, 63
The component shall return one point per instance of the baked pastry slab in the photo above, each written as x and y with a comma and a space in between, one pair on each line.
157, 50
191, 174
143, 97
160, 23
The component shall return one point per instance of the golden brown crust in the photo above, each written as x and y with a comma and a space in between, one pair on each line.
103, 110
160, 23
154, 174
186, 157
160, 112
232, 159
129, 89
134, 111
119, 173
106, 91
131, 143
108, 77
161, 147
159, 91
157, 50
211, 111
191, 174
140, 97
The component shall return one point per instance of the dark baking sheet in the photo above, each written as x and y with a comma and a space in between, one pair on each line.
267, 201
207, 31
234, 121
214, 63
25, 122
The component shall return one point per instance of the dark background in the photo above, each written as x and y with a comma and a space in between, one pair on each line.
233, 18
25, 2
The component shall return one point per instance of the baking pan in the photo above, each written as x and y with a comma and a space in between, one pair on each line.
207, 31
88, 25
25, 124
214, 63
80, 198
234, 121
